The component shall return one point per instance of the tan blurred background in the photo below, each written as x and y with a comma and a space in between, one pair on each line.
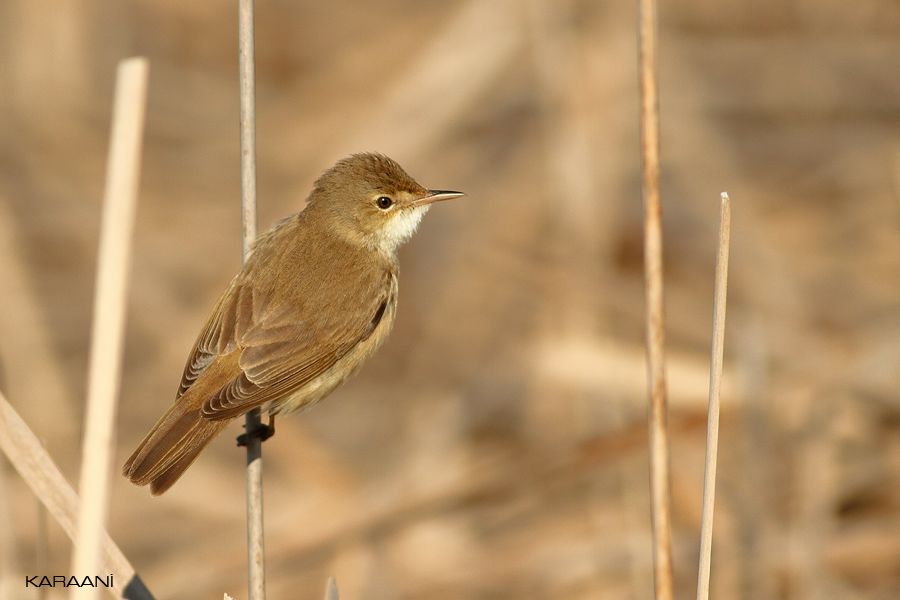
496, 446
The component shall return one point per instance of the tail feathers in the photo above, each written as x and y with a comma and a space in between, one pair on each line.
170, 448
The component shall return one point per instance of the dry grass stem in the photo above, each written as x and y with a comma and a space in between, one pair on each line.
32, 462
715, 385
41, 546
255, 539
248, 124
331, 590
8, 566
122, 176
653, 280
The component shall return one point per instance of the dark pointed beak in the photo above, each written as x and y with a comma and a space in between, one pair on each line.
437, 196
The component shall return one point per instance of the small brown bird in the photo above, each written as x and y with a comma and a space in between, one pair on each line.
316, 298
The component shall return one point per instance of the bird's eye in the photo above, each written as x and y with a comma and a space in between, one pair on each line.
384, 203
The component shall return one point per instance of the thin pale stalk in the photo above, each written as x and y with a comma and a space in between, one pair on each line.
28, 456
41, 547
255, 539
331, 590
110, 301
715, 384
9, 570
653, 282
248, 125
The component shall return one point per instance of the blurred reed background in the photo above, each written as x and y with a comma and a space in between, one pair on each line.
496, 446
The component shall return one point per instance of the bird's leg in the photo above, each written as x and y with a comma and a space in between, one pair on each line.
260, 430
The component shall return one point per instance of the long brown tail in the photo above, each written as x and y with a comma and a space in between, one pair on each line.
179, 436
170, 447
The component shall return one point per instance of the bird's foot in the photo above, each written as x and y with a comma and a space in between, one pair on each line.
263, 431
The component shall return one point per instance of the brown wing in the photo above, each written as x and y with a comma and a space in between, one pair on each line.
280, 352
219, 333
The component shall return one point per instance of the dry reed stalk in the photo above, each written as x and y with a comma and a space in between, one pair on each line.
29, 458
122, 176
715, 386
660, 494
331, 590
41, 546
255, 540
8, 568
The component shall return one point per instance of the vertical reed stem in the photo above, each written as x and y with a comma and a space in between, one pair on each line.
715, 383
331, 590
653, 282
41, 546
122, 176
255, 539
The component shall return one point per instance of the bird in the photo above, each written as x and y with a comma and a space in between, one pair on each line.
316, 297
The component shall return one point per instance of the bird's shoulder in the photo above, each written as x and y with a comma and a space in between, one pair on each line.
300, 258
303, 285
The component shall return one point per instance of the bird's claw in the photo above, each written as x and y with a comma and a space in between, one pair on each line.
263, 431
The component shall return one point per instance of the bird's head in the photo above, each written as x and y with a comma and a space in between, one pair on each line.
369, 199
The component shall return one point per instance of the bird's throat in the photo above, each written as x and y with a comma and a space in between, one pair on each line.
401, 227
